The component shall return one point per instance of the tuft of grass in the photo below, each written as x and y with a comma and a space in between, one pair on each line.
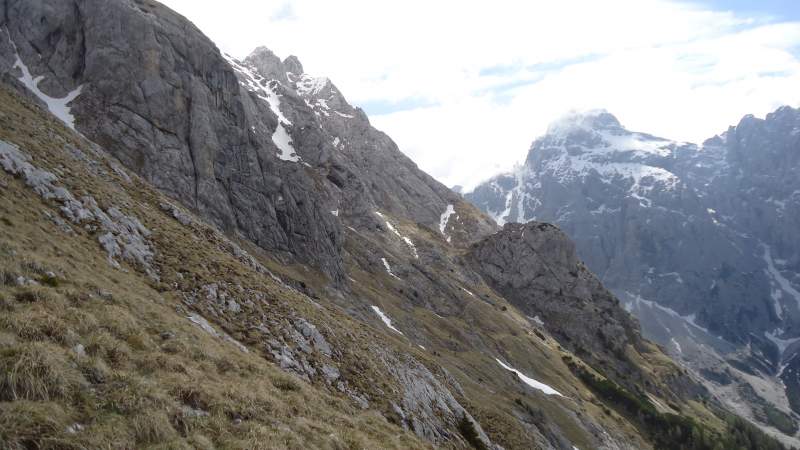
33, 267
32, 425
50, 280
5, 304
32, 295
8, 278
152, 428
39, 325
113, 351
35, 371
285, 383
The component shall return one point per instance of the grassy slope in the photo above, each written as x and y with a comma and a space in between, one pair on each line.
148, 376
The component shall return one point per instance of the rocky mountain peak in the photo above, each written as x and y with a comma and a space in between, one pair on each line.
267, 63
592, 120
293, 65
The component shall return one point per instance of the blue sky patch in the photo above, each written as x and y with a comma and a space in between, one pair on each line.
379, 106
778, 10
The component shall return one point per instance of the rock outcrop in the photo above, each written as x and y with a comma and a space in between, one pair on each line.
536, 268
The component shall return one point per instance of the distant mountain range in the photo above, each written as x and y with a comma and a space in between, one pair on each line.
700, 242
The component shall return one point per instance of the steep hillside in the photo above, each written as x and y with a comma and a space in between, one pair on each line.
695, 240
206, 252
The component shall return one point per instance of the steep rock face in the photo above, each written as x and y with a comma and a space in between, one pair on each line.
695, 240
535, 266
208, 135
178, 117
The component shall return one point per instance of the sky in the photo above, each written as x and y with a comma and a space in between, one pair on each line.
465, 86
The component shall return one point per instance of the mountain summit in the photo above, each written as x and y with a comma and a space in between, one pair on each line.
596, 119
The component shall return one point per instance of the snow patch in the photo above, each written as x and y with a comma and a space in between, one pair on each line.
283, 141
405, 239
538, 385
59, 107
778, 282
676, 345
389, 268
444, 219
782, 344
386, 320
538, 321
266, 90
308, 86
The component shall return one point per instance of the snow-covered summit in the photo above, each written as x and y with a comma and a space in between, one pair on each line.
598, 133
594, 119
581, 150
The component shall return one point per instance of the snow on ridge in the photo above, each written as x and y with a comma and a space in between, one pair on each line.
405, 239
389, 268
386, 320
777, 280
690, 319
444, 219
782, 344
308, 86
538, 385
59, 107
264, 90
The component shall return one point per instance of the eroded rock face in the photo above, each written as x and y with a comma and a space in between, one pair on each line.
535, 266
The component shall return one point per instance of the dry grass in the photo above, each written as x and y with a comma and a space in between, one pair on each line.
96, 357
147, 378
36, 371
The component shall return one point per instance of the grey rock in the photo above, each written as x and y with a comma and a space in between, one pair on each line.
330, 373
175, 212
310, 332
428, 407
535, 267
79, 350
122, 237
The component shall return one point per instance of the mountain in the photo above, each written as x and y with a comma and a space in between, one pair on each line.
201, 251
698, 241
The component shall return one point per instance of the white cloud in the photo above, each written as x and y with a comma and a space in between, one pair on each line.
667, 68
